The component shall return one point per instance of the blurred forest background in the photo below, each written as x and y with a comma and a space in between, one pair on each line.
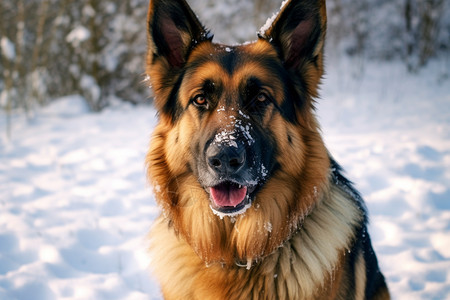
96, 49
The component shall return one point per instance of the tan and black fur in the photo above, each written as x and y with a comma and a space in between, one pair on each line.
241, 118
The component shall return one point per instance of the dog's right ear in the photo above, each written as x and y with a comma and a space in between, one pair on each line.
298, 33
173, 29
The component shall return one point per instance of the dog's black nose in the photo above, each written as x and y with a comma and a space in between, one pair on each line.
224, 158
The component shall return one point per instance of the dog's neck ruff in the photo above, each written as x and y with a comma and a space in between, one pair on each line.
309, 256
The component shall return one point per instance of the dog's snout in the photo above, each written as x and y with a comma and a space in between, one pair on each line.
225, 159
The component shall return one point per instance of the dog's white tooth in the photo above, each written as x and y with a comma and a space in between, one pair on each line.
249, 263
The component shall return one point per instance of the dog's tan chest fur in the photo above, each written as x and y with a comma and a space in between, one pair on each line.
296, 270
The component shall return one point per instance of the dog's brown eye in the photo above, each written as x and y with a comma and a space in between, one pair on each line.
261, 97
200, 100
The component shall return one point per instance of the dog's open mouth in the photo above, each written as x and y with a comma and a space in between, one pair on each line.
229, 198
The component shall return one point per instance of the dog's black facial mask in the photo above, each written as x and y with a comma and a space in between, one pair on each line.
233, 154
233, 163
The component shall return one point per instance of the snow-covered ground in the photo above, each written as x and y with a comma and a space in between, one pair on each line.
391, 133
75, 207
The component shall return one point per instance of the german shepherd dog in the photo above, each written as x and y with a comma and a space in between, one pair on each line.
253, 205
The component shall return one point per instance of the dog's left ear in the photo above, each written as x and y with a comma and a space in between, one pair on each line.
173, 32
298, 32
173, 29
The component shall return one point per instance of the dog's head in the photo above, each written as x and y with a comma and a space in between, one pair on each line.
237, 132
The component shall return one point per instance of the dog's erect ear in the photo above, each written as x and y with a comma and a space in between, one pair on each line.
173, 29
298, 32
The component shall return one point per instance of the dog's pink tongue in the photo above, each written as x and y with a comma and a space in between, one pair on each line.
228, 194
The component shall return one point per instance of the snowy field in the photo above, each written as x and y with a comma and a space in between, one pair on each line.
75, 207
